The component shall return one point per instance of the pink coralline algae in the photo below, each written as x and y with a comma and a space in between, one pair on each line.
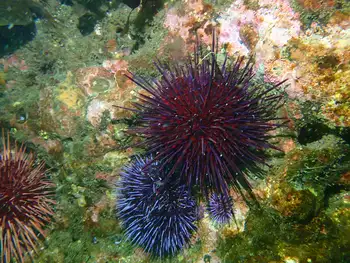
263, 32
281, 69
109, 87
275, 23
183, 21
115, 66
177, 24
95, 111
86, 78
13, 61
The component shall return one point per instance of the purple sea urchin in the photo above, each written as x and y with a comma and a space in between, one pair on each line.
25, 203
207, 121
160, 218
220, 208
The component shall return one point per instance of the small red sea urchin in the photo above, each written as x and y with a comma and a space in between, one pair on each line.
25, 202
210, 122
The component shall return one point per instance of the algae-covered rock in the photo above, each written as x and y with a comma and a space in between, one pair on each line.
21, 12
269, 237
299, 205
339, 213
258, 242
305, 215
83, 230
15, 12
318, 164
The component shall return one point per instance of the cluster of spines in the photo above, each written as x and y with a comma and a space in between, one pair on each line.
207, 121
157, 216
220, 208
207, 125
25, 202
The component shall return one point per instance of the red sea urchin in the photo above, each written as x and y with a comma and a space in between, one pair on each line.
25, 202
208, 121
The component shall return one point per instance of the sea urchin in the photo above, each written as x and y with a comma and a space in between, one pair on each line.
206, 120
160, 218
25, 202
220, 208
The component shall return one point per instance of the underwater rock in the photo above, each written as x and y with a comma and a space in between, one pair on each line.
299, 205
94, 212
2, 79
87, 24
15, 37
61, 108
68, 94
94, 79
52, 147
318, 164
95, 110
323, 70
306, 192
17, 23
111, 45
311, 132
339, 213
116, 159
276, 26
314, 4
268, 237
13, 62
66, 2
132, 3
287, 145
203, 243
249, 35
182, 21
116, 66
102, 142
109, 89
17, 12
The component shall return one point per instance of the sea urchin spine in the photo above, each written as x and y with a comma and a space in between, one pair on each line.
160, 218
25, 202
208, 121
220, 208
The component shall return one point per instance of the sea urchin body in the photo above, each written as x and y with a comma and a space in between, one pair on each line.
220, 208
208, 121
160, 218
25, 203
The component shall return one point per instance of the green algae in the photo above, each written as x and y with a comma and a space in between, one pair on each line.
268, 237
303, 219
74, 236
319, 11
319, 164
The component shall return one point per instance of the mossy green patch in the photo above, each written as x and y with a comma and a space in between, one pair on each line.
319, 11
318, 164
76, 236
268, 237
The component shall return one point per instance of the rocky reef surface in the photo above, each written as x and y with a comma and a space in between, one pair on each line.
59, 88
